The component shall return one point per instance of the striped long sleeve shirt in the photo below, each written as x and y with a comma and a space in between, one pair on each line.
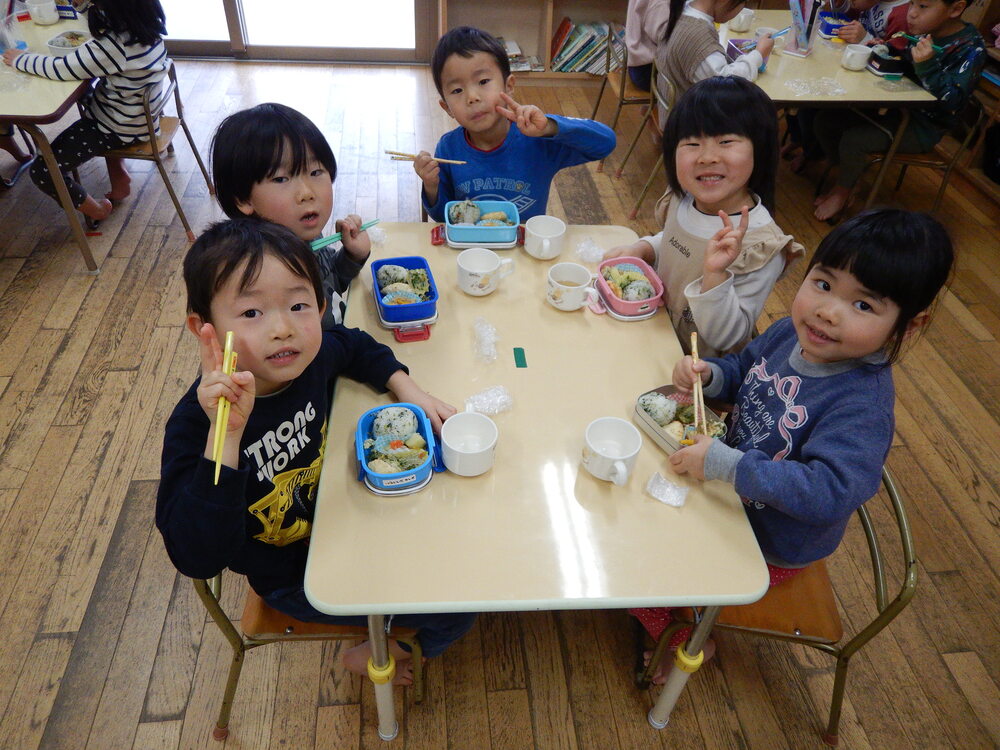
124, 72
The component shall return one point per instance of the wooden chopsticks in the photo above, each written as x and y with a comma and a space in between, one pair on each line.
402, 156
700, 420
222, 411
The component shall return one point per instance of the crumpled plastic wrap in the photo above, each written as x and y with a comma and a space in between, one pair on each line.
491, 401
666, 491
377, 235
899, 85
823, 86
486, 339
589, 251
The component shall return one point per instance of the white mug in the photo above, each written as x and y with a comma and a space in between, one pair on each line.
742, 20
480, 270
762, 30
610, 448
856, 56
468, 442
544, 237
42, 12
569, 287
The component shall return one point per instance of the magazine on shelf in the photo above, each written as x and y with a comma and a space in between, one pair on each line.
559, 38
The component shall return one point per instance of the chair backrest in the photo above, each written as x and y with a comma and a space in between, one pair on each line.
969, 123
154, 110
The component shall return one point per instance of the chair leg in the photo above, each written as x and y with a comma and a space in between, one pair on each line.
173, 197
600, 95
221, 730
645, 188
635, 141
197, 156
418, 671
645, 675
831, 736
899, 181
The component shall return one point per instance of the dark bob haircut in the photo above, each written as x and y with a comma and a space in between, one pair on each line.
138, 21
720, 106
249, 146
226, 245
465, 41
905, 256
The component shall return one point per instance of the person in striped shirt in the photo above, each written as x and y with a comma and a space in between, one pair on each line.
127, 56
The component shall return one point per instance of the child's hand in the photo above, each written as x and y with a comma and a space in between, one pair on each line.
530, 120
238, 389
723, 248
691, 460
406, 389
10, 54
764, 45
356, 242
429, 172
687, 370
919, 52
852, 32
640, 249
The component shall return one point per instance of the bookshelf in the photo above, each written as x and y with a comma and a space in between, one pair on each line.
531, 23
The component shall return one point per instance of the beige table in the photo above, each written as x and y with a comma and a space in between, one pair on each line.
29, 101
537, 531
861, 89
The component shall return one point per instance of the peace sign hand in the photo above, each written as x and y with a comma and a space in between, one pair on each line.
528, 118
237, 388
725, 245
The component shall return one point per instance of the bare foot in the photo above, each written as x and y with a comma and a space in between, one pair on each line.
95, 209
789, 149
667, 661
797, 162
12, 147
356, 661
121, 181
832, 203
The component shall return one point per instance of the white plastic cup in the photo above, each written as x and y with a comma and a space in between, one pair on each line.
611, 446
544, 237
762, 30
855, 56
42, 12
569, 287
468, 443
480, 270
742, 20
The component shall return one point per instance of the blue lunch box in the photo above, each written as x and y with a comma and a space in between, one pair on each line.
468, 233
403, 479
830, 22
415, 310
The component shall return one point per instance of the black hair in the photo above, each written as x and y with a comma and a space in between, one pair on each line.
138, 21
906, 256
249, 146
226, 245
677, 10
465, 41
719, 106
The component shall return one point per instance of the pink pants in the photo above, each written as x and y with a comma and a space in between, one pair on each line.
656, 619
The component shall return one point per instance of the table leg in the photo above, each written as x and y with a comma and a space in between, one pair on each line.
381, 670
684, 667
884, 168
42, 144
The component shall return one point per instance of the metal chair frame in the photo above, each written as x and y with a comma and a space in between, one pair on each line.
888, 609
664, 101
157, 144
621, 84
210, 592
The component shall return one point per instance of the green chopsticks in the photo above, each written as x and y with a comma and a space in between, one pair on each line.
917, 39
319, 244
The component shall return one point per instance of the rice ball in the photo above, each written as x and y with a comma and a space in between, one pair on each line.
638, 290
391, 274
659, 407
395, 420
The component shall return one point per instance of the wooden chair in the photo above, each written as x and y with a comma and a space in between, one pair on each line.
154, 148
626, 91
803, 609
261, 625
664, 93
966, 132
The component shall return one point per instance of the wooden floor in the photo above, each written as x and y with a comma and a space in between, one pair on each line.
103, 645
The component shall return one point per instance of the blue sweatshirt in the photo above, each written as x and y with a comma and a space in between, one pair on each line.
258, 519
520, 169
807, 441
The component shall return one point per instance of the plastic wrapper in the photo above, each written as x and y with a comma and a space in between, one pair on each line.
823, 86
666, 491
486, 339
377, 235
589, 251
491, 401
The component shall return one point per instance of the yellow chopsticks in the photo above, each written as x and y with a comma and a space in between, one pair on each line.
222, 412
402, 156
700, 420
